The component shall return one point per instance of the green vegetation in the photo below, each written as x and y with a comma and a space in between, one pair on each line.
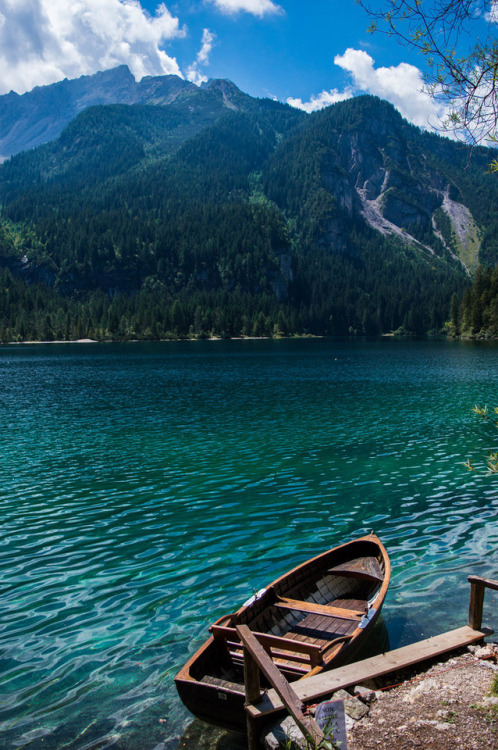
491, 459
494, 686
153, 222
476, 316
490, 712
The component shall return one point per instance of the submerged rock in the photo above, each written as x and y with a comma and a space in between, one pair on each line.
201, 736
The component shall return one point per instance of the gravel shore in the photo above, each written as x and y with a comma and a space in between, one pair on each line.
449, 705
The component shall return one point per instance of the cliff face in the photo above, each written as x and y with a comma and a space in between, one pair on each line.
396, 188
377, 168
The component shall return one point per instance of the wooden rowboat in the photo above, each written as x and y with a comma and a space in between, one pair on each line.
311, 619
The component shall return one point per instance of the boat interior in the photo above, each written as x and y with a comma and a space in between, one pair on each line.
302, 621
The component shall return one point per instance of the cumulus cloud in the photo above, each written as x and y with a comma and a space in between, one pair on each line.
492, 15
402, 85
193, 73
322, 100
258, 8
42, 41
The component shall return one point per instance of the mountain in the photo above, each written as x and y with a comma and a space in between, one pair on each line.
217, 213
416, 187
40, 115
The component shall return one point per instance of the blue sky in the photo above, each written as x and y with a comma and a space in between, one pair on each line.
309, 54
281, 54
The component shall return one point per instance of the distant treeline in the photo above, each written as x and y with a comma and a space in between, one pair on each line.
36, 312
39, 312
476, 313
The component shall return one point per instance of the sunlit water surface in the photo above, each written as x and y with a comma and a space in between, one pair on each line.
149, 488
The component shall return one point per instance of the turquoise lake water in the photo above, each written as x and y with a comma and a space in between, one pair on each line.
149, 488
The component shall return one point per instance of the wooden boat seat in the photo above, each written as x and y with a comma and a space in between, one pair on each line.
319, 609
362, 568
209, 679
360, 605
278, 647
319, 629
293, 669
289, 659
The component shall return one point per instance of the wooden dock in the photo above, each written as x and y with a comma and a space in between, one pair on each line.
322, 685
293, 699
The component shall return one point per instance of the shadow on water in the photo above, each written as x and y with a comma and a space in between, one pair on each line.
376, 643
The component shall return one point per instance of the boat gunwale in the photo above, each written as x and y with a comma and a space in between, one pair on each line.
184, 675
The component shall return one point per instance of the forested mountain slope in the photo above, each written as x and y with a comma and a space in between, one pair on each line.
39, 116
194, 217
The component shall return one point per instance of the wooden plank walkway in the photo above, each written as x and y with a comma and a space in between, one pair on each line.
316, 687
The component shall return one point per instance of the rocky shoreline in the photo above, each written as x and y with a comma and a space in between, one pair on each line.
447, 705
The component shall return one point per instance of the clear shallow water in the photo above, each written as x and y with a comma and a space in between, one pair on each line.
149, 488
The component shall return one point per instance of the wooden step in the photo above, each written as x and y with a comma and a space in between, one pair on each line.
324, 684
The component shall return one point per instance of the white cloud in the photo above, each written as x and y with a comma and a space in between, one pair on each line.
492, 15
43, 41
207, 45
193, 73
402, 85
256, 7
322, 100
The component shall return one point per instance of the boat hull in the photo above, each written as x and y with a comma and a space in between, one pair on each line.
211, 684
221, 707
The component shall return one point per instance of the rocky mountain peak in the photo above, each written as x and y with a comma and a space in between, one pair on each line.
41, 114
232, 97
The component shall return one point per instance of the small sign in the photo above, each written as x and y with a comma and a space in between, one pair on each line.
331, 719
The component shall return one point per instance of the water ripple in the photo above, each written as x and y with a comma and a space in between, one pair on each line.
147, 489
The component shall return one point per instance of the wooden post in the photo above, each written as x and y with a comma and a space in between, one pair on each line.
252, 685
475, 604
294, 705
477, 586
252, 682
